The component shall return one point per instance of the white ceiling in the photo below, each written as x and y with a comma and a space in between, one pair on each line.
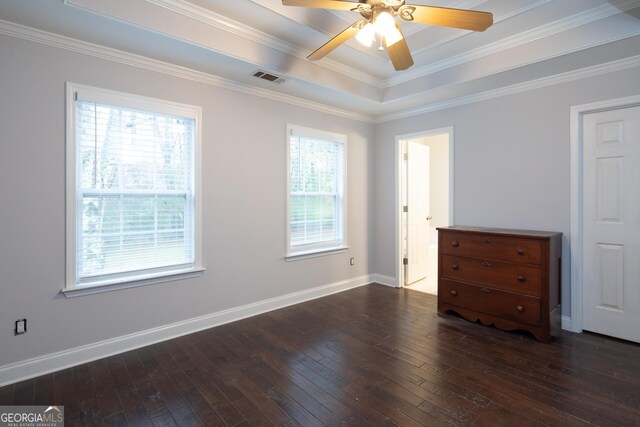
230, 39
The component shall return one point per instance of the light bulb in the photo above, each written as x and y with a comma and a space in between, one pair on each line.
384, 23
366, 35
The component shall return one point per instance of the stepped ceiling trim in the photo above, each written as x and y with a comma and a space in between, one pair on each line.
222, 43
570, 76
102, 52
212, 18
127, 58
520, 39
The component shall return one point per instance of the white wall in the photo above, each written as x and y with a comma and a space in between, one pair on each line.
511, 162
244, 179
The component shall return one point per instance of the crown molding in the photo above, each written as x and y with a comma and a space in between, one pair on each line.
524, 64
224, 23
460, 34
552, 28
457, 4
107, 53
126, 58
216, 20
570, 76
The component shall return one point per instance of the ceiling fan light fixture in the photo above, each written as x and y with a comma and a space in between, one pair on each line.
379, 16
367, 35
385, 25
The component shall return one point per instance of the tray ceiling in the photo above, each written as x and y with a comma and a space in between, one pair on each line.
230, 40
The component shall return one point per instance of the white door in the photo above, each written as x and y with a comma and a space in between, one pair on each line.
418, 211
611, 203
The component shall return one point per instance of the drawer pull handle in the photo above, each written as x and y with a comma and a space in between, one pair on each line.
455, 244
486, 264
485, 240
454, 293
455, 267
485, 290
521, 279
520, 308
520, 251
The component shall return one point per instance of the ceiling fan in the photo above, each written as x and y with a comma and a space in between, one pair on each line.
378, 16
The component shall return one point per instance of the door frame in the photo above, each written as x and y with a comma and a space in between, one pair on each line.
577, 207
398, 186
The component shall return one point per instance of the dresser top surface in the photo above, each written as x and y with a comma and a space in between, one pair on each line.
501, 231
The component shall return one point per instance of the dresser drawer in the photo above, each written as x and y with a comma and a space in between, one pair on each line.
507, 305
510, 249
521, 278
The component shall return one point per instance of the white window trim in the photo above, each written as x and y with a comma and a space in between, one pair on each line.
77, 91
315, 250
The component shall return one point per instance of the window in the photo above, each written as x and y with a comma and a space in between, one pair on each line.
316, 207
133, 208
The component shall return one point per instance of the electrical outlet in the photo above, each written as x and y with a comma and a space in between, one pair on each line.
21, 327
352, 261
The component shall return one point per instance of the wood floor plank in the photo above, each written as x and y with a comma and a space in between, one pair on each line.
44, 390
207, 415
292, 408
24, 393
371, 356
136, 369
65, 393
91, 413
175, 402
119, 374
83, 383
133, 408
327, 399
106, 392
298, 394
6, 395
260, 399
215, 397
118, 419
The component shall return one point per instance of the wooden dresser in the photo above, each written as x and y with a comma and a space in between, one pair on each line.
509, 278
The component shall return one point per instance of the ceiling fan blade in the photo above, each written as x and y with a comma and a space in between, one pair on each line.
399, 53
457, 18
351, 31
323, 4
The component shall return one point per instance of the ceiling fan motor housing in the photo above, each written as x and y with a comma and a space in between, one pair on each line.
372, 8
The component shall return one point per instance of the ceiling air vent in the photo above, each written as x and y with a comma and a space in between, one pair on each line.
269, 77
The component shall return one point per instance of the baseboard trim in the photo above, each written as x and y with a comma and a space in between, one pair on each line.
42, 365
385, 280
566, 323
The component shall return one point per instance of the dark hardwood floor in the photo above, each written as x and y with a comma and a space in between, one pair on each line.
370, 356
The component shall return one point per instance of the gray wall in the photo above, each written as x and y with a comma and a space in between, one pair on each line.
511, 162
244, 192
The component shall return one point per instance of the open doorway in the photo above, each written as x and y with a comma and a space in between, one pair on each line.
424, 202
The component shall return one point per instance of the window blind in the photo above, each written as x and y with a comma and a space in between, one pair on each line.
315, 187
135, 191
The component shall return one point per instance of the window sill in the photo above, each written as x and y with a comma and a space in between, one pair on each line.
315, 253
131, 283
